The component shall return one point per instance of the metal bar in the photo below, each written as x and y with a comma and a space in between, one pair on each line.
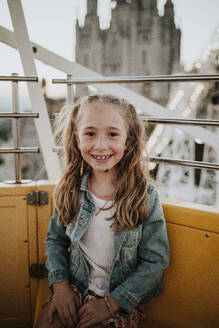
23, 150
19, 115
180, 121
58, 149
16, 130
196, 164
70, 93
138, 79
19, 78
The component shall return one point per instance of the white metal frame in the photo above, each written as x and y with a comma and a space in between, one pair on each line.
36, 96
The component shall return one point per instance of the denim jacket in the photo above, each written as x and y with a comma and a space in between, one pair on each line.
140, 254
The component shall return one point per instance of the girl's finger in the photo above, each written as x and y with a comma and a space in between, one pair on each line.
73, 313
52, 309
60, 315
82, 310
84, 321
67, 316
88, 324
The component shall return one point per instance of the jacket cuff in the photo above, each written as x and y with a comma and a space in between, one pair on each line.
128, 302
125, 299
56, 276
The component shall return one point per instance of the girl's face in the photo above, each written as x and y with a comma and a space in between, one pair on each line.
101, 137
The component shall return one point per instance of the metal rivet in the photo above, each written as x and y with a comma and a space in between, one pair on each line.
207, 235
26, 286
25, 240
24, 198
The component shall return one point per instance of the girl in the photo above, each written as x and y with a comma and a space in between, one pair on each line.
107, 244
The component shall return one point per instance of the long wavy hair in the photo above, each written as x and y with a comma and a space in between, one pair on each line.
130, 193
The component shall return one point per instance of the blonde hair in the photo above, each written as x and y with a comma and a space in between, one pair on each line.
130, 194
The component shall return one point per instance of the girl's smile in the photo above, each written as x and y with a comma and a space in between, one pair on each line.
101, 137
102, 158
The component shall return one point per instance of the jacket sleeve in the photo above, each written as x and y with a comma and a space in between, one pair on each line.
145, 283
57, 244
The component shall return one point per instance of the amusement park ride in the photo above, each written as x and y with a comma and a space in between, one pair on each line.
191, 296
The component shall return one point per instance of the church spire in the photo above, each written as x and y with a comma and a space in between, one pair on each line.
169, 7
169, 12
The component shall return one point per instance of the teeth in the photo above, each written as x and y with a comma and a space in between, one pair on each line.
101, 157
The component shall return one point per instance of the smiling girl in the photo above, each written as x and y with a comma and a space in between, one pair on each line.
107, 244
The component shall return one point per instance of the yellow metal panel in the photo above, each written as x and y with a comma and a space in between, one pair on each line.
14, 271
16, 189
191, 297
192, 215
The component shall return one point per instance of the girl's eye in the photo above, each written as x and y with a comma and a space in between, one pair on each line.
113, 134
90, 134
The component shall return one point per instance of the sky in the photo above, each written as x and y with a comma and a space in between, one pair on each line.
50, 24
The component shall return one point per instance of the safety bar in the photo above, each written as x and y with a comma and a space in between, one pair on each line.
16, 78
139, 79
180, 121
16, 116
19, 115
20, 150
195, 164
177, 121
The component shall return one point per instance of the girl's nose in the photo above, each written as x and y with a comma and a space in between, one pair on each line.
101, 143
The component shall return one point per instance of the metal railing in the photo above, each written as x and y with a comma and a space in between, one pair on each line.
17, 150
16, 116
180, 121
177, 121
140, 79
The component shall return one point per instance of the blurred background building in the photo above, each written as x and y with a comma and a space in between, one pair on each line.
137, 42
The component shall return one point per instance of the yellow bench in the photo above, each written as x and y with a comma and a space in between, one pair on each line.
191, 296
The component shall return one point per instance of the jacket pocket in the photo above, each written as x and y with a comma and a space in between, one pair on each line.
129, 250
133, 237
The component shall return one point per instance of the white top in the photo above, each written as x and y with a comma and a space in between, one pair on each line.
97, 245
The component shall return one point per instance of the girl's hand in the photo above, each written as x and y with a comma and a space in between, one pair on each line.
66, 302
95, 311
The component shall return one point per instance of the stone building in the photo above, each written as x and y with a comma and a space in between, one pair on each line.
138, 42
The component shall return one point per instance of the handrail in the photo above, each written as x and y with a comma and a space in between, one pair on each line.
19, 115
180, 121
20, 150
16, 116
177, 121
15, 78
195, 164
139, 79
